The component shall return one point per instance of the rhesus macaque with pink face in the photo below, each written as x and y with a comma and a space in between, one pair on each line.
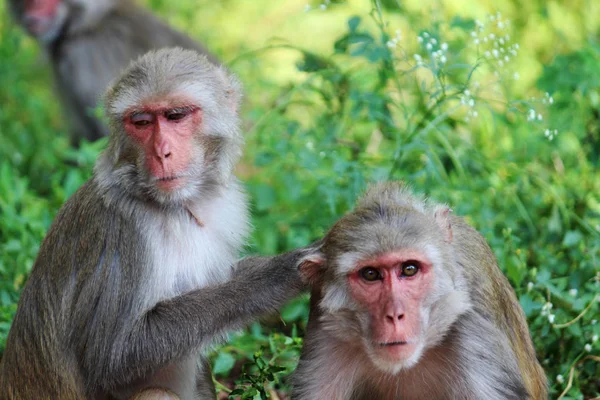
139, 271
408, 303
88, 44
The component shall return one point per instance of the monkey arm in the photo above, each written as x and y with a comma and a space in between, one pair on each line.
174, 328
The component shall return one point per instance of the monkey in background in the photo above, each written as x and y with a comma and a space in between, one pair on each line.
88, 43
408, 303
135, 277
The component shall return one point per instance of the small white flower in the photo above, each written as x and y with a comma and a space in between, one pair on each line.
433, 41
473, 34
516, 46
500, 24
322, 154
495, 53
516, 76
530, 286
310, 146
418, 57
594, 321
476, 42
587, 347
487, 53
506, 58
425, 34
429, 46
551, 100
501, 41
492, 36
539, 117
572, 292
501, 63
307, 8
594, 338
419, 39
485, 39
551, 318
531, 115
474, 114
323, 6
471, 103
560, 379
443, 59
444, 46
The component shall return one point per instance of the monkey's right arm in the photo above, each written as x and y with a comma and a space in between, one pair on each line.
174, 328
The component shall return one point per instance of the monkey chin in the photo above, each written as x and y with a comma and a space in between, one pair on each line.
392, 358
172, 191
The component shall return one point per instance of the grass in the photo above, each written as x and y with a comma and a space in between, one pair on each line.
333, 103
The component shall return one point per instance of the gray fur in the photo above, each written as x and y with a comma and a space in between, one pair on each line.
94, 42
128, 287
477, 345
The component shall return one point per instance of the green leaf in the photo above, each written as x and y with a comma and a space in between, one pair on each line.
223, 363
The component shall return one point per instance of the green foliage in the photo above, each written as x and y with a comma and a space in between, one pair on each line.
442, 112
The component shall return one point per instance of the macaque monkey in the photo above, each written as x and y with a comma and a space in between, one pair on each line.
88, 43
138, 271
409, 303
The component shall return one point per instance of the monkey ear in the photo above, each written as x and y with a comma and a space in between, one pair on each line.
233, 89
311, 268
442, 218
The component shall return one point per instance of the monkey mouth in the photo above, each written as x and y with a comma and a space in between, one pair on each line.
396, 343
168, 178
169, 183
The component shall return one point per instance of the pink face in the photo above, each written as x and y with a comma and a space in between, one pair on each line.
165, 131
392, 287
39, 15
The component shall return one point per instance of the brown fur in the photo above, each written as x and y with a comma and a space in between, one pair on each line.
480, 346
128, 288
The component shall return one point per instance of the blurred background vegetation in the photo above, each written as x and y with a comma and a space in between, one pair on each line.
491, 106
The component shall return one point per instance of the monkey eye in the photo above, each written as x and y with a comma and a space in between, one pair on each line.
175, 115
370, 274
141, 120
410, 268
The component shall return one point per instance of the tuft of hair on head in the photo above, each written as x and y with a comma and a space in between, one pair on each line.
173, 71
394, 193
397, 194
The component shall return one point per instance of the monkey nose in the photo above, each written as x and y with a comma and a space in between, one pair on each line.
163, 151
393, 318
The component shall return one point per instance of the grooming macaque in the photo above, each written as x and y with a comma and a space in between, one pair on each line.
89, 42
138, 271
409, 303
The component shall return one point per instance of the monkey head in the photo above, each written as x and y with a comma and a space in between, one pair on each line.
45, 20
386, 279
174, 127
